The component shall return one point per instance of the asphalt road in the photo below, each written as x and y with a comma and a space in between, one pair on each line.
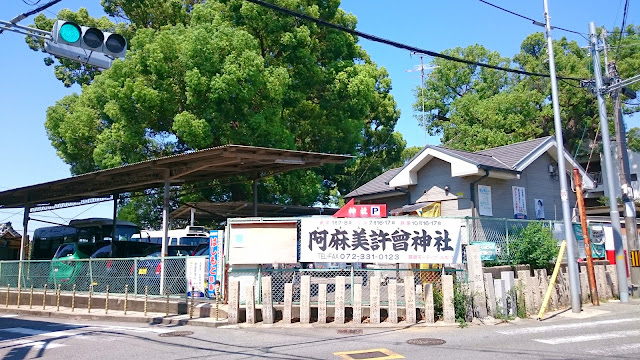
611, 332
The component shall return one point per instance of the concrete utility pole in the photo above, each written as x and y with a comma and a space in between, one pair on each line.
630, 224
613, 206
574, 282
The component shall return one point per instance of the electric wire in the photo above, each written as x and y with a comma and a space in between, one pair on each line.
535, 22
395, 43
624, 20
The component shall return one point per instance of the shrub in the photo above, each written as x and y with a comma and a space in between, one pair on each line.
535, 246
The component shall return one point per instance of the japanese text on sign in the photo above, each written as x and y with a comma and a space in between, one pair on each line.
398, 240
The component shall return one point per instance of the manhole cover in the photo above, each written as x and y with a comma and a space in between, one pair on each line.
176, 333
425, 341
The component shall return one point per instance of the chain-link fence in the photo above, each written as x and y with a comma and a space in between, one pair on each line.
500, 232
98, 274
364, 277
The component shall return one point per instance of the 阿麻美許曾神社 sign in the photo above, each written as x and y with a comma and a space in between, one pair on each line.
404, 240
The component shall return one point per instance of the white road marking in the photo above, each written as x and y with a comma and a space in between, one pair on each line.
35, 344
540, 329
617, 350
125, 328
9, 316
583, 338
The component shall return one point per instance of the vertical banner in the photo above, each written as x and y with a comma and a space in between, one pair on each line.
484, 201
196, 279
539, 209
519, 202
215, 238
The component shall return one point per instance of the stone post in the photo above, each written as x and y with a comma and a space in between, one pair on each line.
510, 291
429, 312
234, 302
250, 298
449, 312
410, 299
613, 274
392, 288
339, 300
523, 289
374, 300
501, 307
305, 299
288, 303
584, 286
601, 280
267, 301
476, 280
543, 284
322, 303
490, 293
357, 303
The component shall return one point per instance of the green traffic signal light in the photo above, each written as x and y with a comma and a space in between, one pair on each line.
70, 32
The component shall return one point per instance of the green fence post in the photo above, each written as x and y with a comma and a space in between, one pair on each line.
506, 230
259, 287
135, 277
352, 284
90, 273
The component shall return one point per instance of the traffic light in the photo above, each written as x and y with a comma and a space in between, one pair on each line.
85, 44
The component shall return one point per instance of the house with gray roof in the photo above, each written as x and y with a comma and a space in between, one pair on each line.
519, 180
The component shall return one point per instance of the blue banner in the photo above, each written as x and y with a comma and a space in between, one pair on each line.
212, 264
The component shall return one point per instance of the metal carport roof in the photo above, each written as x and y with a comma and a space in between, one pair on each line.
210, 211
208, 164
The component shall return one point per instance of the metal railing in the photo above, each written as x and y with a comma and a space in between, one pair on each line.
97, 274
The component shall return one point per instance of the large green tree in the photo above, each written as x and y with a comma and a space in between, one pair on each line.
221, 72
475, 108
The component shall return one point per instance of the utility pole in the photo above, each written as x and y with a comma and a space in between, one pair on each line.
630, 224
574, 282
613, 206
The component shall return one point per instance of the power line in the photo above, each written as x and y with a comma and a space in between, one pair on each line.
396, 44
535, 22
624, 20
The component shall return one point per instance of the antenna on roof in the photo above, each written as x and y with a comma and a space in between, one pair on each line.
422, 68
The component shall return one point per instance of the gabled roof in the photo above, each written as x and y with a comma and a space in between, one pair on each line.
378, 185
7, 232
512, 154
505, 162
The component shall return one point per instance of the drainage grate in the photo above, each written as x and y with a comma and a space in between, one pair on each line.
369, 355
176, 333
426, 341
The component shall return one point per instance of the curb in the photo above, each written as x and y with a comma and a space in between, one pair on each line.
155, 319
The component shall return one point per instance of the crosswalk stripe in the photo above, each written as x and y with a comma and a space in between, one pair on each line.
540, 329
583, 338
9, 315
617, 350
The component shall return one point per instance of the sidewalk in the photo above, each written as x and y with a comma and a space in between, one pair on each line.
157, 309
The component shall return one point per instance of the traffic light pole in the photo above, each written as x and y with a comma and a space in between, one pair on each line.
613, 206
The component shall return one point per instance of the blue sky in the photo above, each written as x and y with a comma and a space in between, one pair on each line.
29, 87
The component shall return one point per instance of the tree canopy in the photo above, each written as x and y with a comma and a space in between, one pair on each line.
475, 108
201, 74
